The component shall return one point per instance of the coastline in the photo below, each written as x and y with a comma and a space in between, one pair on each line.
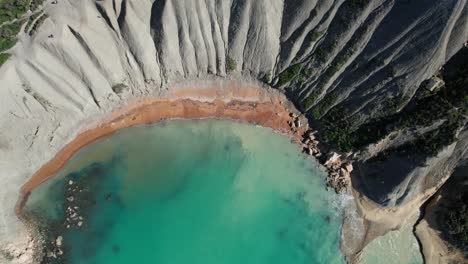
227, 100
259, 106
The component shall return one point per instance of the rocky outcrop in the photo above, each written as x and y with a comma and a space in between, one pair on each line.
357, 60
14, 254
442, 228
419, 148
72, 212
338, 167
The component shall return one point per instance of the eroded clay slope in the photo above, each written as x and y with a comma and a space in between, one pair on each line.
88, 57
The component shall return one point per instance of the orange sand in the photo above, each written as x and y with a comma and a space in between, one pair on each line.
252, 105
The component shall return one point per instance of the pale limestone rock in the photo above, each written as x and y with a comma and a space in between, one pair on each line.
332, 159
53, 86
58, 241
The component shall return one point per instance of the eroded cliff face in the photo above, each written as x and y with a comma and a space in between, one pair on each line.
358, 61
442, 229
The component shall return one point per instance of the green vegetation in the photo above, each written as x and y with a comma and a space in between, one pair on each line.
325, 104
11, 13
338, 127
303, 75
375, 63
34, 4
4, 57
335, 66
428, 143
287, 75
456, 222
431, 142
34, 22
311, 99
393, 105
316, 35
12, 18
267, 77
449, 104
231, 64
12, 9
30, 21
8, 34
37, 24
320, 54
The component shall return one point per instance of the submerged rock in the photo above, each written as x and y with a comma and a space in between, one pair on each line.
58, 241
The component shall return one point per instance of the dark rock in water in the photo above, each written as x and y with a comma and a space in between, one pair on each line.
119, 202
115, 249
108, 196
300, 195
96, 169
302, 246
281, 234
327, 219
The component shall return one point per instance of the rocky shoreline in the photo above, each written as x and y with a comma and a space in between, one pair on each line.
267, 107
270, 110
339, 166
29, 252
77, 194
77, 202
73, 220
264, 107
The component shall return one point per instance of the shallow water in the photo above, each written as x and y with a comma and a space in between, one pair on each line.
395, 247
193, 192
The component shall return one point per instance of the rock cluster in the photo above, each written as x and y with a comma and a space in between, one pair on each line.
73, 218
310, 144
295, 123
307, 137
339, 171
55, 249
338, 167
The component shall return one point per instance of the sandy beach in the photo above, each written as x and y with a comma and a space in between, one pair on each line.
267, 108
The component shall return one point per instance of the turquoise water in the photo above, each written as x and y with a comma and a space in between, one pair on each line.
193, 192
